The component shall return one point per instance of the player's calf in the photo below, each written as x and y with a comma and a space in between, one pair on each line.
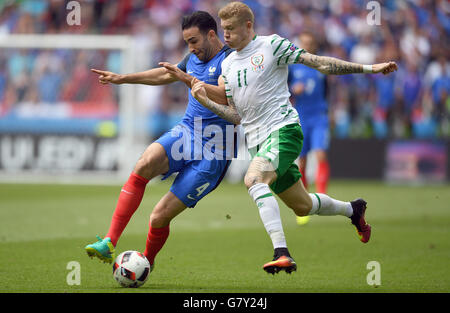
302, 209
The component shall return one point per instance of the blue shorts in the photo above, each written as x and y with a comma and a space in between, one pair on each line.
316, 134
197, 176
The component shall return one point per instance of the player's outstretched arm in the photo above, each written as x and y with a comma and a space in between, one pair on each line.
334, 66
156, 76
227, 112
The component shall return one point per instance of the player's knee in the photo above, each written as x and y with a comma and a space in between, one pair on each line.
253, 177
144, 163
149, 166
251, 180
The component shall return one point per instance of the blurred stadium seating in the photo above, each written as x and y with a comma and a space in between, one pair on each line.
412, 103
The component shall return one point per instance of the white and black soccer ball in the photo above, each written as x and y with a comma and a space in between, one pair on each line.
131, 269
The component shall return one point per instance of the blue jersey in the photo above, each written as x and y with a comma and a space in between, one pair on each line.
196, 116
195, 149
311, 102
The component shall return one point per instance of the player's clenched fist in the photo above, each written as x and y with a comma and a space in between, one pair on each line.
384, 68
108, 77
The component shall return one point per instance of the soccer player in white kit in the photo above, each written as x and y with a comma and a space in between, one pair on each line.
254, 85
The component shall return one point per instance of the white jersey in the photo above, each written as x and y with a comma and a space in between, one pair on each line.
256, 79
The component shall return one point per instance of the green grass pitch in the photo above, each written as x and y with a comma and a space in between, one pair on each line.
220, 245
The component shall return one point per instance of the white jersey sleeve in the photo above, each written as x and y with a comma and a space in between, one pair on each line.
227, 87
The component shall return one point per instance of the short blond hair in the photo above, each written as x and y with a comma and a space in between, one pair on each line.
237, 9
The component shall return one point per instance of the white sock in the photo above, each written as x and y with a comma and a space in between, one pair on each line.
269, 213
325, 205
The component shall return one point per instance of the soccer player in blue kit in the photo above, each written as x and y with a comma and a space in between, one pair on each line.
191, 148
308, 87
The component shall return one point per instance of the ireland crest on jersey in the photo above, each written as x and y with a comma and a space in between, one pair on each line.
257, 62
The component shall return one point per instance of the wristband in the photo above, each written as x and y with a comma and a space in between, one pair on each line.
367, 69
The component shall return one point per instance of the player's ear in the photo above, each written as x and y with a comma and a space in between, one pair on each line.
249, 25
211, 34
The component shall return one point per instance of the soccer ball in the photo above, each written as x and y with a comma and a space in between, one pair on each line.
131, 269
